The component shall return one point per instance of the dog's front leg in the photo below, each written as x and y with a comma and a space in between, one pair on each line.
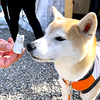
65, 89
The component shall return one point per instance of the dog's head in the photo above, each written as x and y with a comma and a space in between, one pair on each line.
64, 38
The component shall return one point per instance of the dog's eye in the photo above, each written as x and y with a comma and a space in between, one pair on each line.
60, 38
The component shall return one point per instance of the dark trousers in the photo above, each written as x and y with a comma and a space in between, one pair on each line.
94, 6
14, 7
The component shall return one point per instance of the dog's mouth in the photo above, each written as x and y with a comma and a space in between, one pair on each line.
38, 59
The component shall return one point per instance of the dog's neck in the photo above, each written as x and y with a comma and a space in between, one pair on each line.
73, 72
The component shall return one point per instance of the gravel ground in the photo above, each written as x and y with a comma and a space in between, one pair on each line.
27, 79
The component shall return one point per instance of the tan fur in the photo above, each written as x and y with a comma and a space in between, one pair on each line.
74, 55
87, 62
71, 28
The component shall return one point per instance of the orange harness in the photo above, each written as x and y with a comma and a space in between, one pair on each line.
80, 85
90, 80
83, 84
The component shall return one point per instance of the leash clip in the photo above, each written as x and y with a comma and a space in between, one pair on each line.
70, 90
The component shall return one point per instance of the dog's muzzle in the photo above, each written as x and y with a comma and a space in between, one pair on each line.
31, 47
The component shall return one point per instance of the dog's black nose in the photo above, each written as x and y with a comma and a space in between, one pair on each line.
30, 47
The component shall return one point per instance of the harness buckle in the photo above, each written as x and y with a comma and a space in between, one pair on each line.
70, 90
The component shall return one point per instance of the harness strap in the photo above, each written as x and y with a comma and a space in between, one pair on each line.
83, 84
90, 88
90, 79
88, 74
86, 83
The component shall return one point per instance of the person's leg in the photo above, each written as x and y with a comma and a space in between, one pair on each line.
94, 6
14, 10
29, 9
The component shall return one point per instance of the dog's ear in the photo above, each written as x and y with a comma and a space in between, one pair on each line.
56, 13
87, 25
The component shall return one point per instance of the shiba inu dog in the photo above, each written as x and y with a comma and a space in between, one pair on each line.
71, 45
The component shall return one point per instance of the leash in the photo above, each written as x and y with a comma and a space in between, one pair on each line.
85, 84
70, 90
73, 94
79, 85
